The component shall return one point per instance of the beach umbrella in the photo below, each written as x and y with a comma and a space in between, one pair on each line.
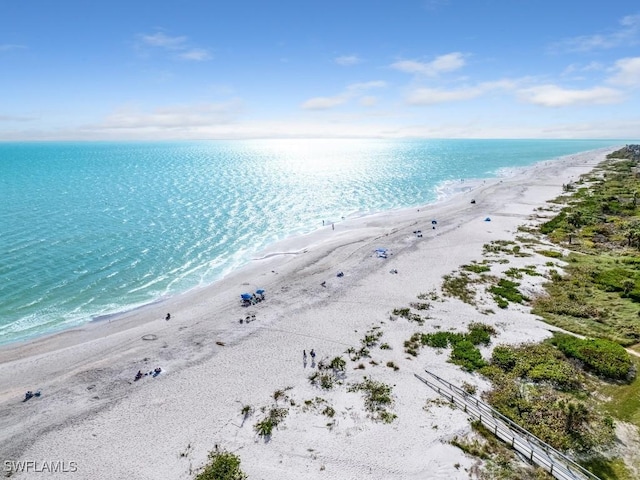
260, 291
487, 219
246, 296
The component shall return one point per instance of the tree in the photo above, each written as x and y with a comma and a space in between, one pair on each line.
632, 232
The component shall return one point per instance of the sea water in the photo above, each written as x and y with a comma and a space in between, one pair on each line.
91, 229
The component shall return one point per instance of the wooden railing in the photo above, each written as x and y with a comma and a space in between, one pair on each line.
521, 440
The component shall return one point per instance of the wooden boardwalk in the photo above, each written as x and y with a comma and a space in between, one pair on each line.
524, 442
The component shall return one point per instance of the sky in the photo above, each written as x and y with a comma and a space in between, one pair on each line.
214, 69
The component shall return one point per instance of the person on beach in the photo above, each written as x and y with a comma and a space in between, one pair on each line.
333, 227
168, 317
313, 354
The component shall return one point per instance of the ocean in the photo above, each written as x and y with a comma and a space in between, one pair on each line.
89, 229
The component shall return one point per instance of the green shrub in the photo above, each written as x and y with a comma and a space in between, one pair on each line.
264, 428
459, 286
466, 355
508, 291
476, 268
401, 312
501, 302
435, 340
504, 357
338, 364
603, 357
550, 253
222, 466
377, 395
480, 334
329, 411
548, 227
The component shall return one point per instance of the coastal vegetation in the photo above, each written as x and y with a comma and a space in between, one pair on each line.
222, 465
570, 391
264, 428
464, 351
377, 398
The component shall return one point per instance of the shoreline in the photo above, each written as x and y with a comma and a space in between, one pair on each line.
212, 364
442, 192
467, 186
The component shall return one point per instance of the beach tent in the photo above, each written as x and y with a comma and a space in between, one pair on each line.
433, 222
487, 219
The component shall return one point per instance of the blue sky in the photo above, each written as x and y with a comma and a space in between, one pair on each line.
196, 69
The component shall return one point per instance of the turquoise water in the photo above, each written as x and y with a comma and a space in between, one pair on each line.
90, 229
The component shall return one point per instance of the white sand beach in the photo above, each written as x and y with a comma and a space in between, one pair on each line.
93, 413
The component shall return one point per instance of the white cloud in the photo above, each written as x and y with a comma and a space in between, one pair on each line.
627, 72
368, 101
176, 116
324, 103
348, 60
161, 40
178, 46
555, 96
351, 91
626, 35
196, 54
8, 46
443, 63
576, 68
432, 96
357, 87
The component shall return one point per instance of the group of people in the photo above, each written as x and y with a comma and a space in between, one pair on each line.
312, 353
248, 318
29, 395
156, 371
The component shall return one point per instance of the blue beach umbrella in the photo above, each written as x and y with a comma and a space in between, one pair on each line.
246, 296
260, 291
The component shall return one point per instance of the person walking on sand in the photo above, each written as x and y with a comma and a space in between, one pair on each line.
313, 354
333, 226
304, 354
